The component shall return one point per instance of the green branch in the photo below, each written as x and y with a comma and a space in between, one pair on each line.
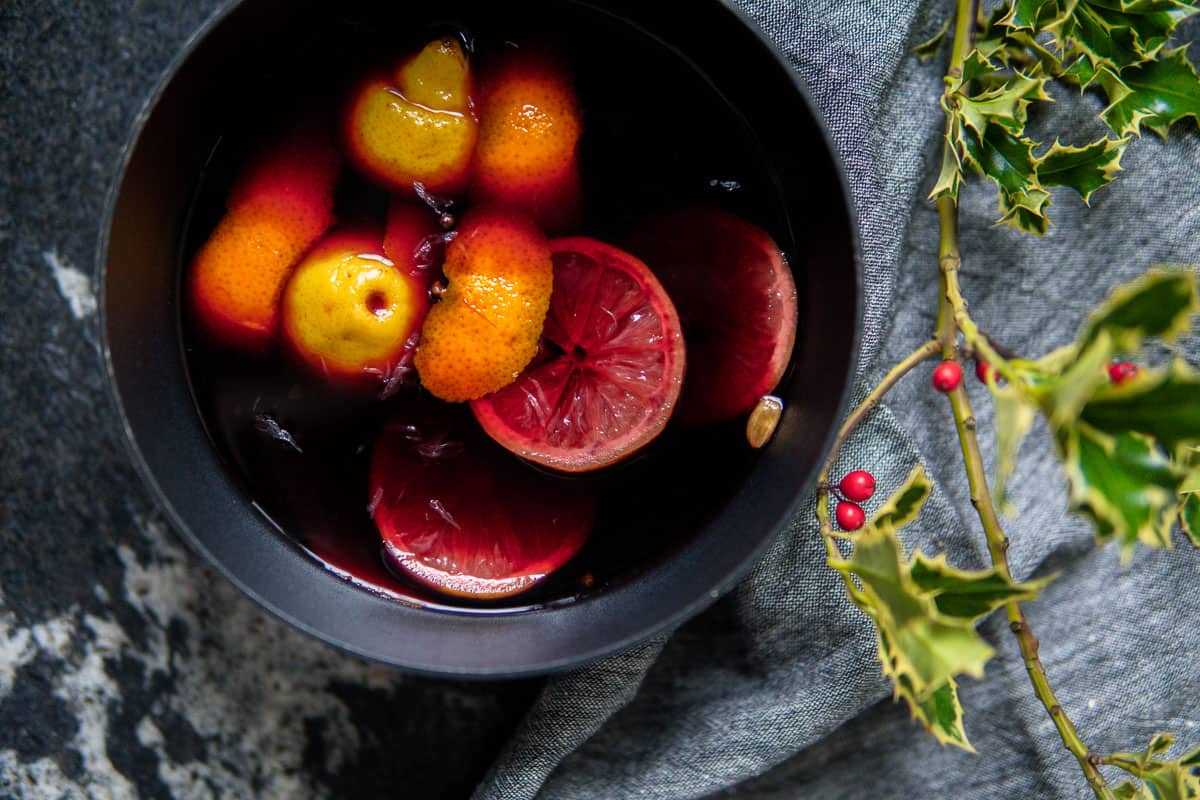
953, 316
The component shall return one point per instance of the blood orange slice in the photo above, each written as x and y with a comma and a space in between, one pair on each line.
610, 372
457, 515
737, 299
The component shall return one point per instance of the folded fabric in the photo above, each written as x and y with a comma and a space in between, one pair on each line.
775, 692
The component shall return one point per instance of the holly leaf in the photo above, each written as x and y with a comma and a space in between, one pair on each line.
1084, 169
1117, 33
966, 594
1063, 399
928, 49
1124, 483
1161, 779
1008, 161
917, 643
1156, 94
905, 504
1189, 517
941, 714
1160, 303
1006, 105
1014, 418
1029, 14
1162, 403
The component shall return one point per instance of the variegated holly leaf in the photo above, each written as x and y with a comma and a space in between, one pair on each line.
1161, 403
941, 714
1014, 418
1008, 161
1160, 779
929, 48
969, 594
1063, 399
1084, 169
1031, 15
1160, 303
1124, 483
1189, 517
917, 643
1154, 95
905, 503
1113, 34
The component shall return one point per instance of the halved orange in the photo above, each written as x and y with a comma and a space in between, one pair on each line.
611, 367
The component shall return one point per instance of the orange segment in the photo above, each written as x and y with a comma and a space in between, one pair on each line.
419, 129
530, 127
485, 329
348, 311
280, 205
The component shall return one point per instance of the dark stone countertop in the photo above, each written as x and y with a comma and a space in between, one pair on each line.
127, 667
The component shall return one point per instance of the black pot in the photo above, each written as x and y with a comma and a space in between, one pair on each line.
231, 66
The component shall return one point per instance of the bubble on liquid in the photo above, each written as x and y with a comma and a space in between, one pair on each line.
442, 512
725, 185
376, 499
267, 424
440, 451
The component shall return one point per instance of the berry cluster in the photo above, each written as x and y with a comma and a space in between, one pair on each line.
855, 488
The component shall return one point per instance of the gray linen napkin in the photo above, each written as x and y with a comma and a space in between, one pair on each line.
775, 693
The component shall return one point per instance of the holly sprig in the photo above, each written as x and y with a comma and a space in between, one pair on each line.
1126, 430
1117, 48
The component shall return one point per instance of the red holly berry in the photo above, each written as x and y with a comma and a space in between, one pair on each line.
1121, 371
947, 377
985, 371
858, 486
850, 516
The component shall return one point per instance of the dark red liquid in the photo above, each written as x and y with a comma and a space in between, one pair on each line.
657, 135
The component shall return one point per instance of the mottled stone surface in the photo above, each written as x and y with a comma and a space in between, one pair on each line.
127, 668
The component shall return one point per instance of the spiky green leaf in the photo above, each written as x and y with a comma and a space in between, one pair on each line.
1063, 399
929, 48
1014, 418
917, 643
1029, 14
905, 503
1161, 779
1008, 161
1161, 403
1084, 169
1189, 517
1154, 95
1123, 483
969, 594
941, 713
1160, 303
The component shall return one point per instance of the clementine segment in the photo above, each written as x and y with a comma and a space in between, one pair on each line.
349, 312
485, 329
416, 126
530, 125
281, 204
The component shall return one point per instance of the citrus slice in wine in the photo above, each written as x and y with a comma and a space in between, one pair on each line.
609, 372
460, 516
737, 299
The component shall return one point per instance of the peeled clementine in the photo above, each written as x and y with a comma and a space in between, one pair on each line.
485, 329
349, 312
415, 129
280, 205
530, 124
